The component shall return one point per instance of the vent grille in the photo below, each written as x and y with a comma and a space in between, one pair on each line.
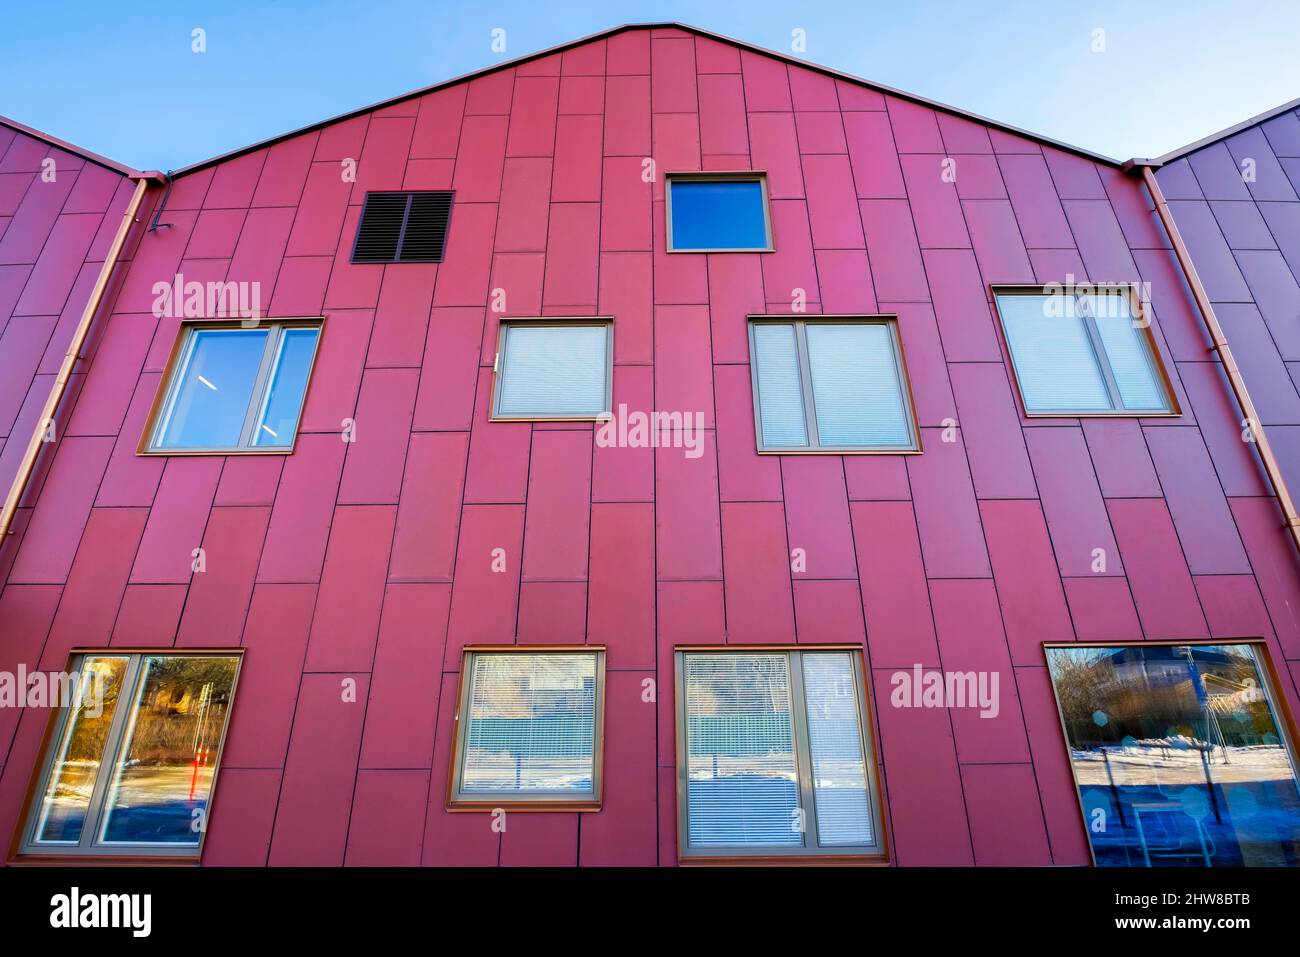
403, 227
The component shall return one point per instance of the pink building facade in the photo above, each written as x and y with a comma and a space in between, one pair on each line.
369, 564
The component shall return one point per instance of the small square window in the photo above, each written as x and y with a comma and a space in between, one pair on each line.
830, 385
528, 729
718, 213
133, 757
233, 388
548, 369
1183, 751
1083, 352
774, 755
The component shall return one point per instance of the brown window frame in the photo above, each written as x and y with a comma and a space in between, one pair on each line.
163, 393
1138, 309
1290, 731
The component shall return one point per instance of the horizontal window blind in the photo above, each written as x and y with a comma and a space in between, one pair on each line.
742, 779
780, 393
843, 805
1128, 353
552, 370
1056, 365
857, 393
531, 723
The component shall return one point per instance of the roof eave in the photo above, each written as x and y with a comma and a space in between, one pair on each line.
1225, 133
67, 147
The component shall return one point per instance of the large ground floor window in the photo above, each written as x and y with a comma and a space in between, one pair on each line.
1181, 754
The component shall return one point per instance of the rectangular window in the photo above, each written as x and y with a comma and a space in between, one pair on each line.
1083, 353
718, 212
830, 385
528, 729
133, 757
1180, 754
549, 369
403, 227
233, 388
774, 757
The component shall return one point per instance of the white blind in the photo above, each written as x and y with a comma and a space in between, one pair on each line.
532, 720
550, 370
835, 737
742, 779
1128, 352
1056, 366
856, 387
780, 395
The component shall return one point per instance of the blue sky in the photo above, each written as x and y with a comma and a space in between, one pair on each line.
122, 79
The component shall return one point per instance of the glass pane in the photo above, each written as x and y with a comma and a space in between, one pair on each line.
212, 389
163, 781
532, 721
835, 736
1127, 351
1178, 756
553, 371
710, 214
780, 396
856, 387
742, 782
1055, 362
76, 765
284, 397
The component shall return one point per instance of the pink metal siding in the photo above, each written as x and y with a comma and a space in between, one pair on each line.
372, 561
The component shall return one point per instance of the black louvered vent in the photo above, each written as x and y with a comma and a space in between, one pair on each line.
403, 227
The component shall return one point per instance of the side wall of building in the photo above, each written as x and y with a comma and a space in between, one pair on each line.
1237, 205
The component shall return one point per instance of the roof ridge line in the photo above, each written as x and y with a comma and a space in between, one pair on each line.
661, 25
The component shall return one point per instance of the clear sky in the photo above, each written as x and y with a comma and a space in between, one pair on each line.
122, 80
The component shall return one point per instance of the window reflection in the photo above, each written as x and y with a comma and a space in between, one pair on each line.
162, 783
1178, 755
531, 724
72, 776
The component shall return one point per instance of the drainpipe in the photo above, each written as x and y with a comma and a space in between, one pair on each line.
46, 421
1220, 345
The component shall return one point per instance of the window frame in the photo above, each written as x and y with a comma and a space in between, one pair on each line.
1117, 410
1286, 724
718, 176
479, 801
25, 850
167, 386
499, 359
784, 856
801, 322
